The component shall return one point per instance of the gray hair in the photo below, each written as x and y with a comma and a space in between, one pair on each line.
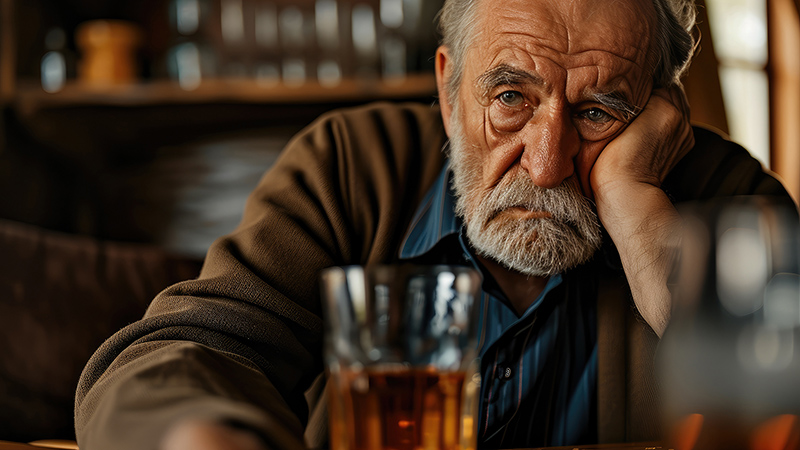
673, 46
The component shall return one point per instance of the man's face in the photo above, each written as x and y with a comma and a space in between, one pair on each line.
546, 85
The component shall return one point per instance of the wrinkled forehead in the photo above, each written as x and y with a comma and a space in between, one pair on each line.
569, 28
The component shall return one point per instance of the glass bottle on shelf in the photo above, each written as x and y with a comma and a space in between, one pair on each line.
191, 58
392, 41
58, 63
237, 19
296, 35
328, 19
266, 68
365, 41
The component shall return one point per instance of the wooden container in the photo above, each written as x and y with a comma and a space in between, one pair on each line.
108, 50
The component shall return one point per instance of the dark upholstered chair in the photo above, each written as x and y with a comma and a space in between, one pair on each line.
61, 295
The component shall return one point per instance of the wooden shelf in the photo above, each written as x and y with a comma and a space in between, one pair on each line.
30, 97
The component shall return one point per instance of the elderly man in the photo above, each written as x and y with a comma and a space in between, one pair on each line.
569, 142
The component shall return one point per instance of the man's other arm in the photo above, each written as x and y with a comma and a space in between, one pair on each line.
660, 160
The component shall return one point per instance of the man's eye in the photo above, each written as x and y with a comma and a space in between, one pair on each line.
511, 98
595, 123
510, 112
597, 115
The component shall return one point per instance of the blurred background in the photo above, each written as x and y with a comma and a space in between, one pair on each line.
131, 132
150, 120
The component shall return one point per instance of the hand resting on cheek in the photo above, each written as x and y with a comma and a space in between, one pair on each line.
639, 217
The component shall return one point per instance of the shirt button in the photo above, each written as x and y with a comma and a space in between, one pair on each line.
504, 372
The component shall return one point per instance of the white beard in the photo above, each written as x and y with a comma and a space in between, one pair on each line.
531, 246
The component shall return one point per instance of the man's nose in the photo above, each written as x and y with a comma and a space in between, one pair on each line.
551, 144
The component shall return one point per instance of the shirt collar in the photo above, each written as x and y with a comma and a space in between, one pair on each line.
434, 220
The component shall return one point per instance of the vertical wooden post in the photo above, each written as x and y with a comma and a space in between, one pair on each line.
8, 66
784, 77
7, 52
702, 84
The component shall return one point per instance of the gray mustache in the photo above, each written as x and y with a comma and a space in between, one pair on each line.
519, 191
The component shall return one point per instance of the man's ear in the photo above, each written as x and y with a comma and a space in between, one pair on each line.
443, 72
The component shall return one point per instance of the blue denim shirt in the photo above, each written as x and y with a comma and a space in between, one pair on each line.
539, 370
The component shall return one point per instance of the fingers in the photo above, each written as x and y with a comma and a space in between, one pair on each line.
676, 96
674, 106
650, 147
667, 130
206, 435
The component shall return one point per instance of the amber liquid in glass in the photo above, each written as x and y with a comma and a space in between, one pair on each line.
407, 409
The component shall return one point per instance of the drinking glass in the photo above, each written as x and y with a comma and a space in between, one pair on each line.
401, 355
730, 359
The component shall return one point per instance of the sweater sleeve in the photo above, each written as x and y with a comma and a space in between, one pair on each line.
717, 167
243, 342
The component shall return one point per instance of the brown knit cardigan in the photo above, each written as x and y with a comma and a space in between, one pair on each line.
243, 343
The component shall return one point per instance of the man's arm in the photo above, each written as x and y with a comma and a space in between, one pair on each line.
238, 347
638, 215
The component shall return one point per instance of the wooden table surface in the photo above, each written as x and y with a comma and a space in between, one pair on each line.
38, 445
51, 444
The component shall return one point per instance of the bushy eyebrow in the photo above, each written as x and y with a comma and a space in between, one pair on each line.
505, 75
616, 100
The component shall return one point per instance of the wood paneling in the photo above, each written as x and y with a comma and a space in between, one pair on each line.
784, 74
702, 82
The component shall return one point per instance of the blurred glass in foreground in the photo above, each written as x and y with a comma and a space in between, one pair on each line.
730, 359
